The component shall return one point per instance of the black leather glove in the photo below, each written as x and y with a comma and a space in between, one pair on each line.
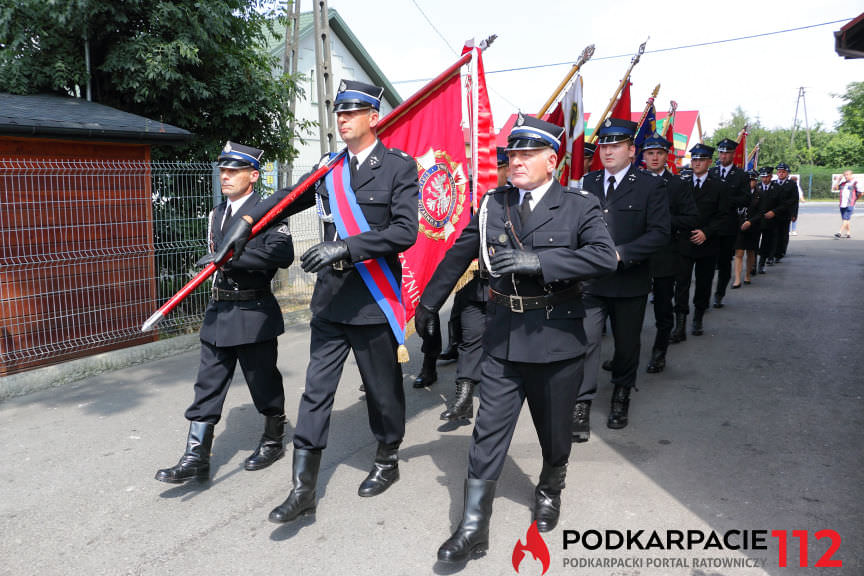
205, 259
426, 321
320, 255
515, 262
235, 239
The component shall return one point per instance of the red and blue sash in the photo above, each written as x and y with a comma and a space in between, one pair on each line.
376, 273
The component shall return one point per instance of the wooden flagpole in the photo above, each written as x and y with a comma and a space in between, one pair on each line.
633, 62
648, 104
583, 58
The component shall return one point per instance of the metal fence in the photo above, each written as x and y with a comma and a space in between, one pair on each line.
89, 249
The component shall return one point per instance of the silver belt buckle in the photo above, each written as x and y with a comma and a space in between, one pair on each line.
339, 265
516, 304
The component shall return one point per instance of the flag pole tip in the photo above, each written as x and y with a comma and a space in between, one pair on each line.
152, 321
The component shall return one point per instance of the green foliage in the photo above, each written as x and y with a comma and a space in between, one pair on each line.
828, 149
202, 66
852, 111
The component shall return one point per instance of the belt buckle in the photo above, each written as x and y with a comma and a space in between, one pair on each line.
516, 304
339, 265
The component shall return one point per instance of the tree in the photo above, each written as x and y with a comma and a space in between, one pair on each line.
852, 111
202, 66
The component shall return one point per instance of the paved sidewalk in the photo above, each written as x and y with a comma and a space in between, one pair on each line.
757, 425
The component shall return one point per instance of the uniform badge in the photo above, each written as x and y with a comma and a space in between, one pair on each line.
283, 229
520, 119
342, 86
373, 160
443, 186
227, 148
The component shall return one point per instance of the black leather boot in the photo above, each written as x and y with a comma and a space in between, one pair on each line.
679, 334
471, 538
195, 462
450, 353
270, 448
697, 322
384, 473
547, 497
657, 362
428, 373
463, 406
718, 300
581, 430
301, 501
620, 406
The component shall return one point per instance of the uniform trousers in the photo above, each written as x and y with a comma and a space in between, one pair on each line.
374, 349
472, 324
664, 317
625, 316
704, 267
724, 263
216, 369
505, 386
782, 233
768, 242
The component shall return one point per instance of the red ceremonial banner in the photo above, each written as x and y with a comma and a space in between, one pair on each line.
431, 132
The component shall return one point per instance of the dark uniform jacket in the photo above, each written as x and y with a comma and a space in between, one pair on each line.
684, 216
387, 192
787, 200
768, 202
638, 218
712, 202
737, 191
232, 323
567, 231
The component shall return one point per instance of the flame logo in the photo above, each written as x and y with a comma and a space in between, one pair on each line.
534, 544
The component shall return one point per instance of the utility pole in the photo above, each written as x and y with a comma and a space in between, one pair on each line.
289, 66
324, 76
802, 100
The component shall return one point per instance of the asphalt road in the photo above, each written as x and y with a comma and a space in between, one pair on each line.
755, 426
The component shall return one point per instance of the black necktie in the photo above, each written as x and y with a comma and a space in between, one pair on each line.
611, 188
355, 166
525, 208
226, 219
723, 173
698, 184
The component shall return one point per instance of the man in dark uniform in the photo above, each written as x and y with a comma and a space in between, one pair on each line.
469, 312
538, 240
241, 323
704, 242
786, 210
738, 193
770, 206
666, 261
345, 315
636, 209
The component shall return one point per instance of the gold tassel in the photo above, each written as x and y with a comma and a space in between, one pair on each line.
402, 354
466, 277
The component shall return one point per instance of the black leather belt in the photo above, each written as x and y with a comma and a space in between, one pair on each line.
220, 295
481, 273
522, 303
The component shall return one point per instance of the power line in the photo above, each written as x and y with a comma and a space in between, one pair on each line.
431, 25
630, 55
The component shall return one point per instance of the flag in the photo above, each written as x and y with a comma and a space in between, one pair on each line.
646, 129
574, 133
622, 111
431, 132
753, 160
740, 151
669, 134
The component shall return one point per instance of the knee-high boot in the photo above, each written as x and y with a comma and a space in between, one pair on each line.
471, 538
547, 497
195, 462
302, 500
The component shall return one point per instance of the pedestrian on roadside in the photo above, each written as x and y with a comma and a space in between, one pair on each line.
849, 194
